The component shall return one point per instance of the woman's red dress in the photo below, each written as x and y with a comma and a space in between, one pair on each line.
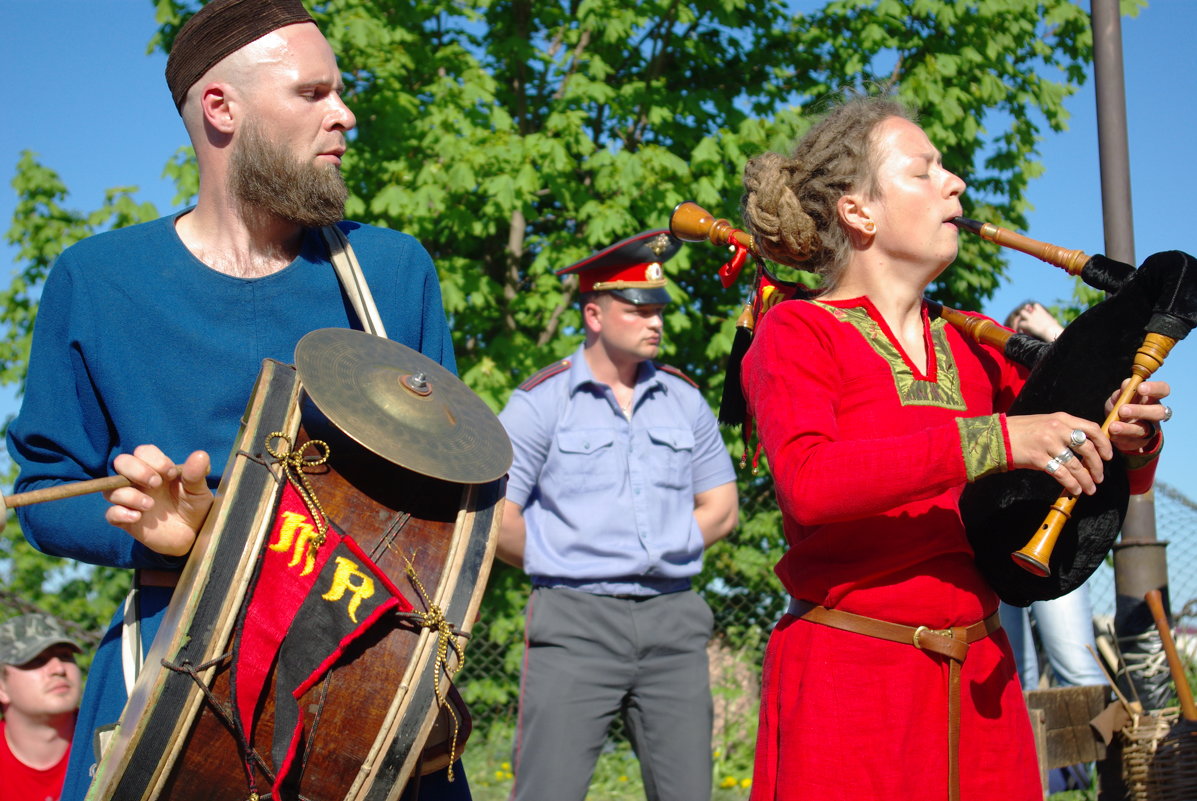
869, 457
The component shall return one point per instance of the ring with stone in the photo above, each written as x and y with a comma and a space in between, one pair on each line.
1065, 457
1052, 466
1076, 438
1167, 413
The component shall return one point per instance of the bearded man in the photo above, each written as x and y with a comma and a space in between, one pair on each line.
150, 338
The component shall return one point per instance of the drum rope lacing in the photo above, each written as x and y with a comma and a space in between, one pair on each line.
296, 466
446, 638
225, 715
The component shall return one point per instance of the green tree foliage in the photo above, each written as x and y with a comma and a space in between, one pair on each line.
514, 137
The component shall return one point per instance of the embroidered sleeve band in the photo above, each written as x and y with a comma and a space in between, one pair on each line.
982, 445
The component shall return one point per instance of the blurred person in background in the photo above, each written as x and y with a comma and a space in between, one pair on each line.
40, 687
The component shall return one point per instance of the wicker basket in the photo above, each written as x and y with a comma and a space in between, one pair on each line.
1159, 757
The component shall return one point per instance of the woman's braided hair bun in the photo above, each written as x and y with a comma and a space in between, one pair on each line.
782, 230
790, 204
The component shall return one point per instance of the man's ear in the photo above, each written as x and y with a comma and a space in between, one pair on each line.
218, 107
592, 316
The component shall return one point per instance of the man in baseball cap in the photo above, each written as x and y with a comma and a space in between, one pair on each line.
40, 687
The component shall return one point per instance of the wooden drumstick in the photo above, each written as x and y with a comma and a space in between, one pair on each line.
1155, 602
60, 491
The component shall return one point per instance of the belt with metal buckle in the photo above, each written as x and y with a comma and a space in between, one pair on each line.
951, 642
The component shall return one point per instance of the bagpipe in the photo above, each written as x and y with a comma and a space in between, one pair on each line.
309, 648
1127, 335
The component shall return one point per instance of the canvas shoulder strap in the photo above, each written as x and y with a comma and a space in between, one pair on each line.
349, 271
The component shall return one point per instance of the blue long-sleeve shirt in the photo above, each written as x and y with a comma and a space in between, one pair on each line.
137, 341
608, 500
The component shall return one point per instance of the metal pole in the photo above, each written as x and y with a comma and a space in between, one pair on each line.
1140, 559
1112, 140
1140, 563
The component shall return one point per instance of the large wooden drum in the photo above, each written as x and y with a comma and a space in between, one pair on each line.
363, 700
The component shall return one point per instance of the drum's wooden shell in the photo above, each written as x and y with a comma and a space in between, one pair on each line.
365, 723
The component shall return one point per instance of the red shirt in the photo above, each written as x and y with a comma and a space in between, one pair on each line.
19, 782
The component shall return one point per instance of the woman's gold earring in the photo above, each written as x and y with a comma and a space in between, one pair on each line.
870, 227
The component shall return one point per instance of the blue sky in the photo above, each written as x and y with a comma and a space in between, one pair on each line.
87, 99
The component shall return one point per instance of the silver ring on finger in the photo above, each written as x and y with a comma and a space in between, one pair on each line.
1076, 438
1167, 413
1066, 456
1052, 466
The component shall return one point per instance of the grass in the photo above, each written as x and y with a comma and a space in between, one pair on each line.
487, 761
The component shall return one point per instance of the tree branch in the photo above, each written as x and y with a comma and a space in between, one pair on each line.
583, 40
514, 255
550, 329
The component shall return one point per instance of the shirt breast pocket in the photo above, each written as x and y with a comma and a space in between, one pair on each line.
672, 454
586, 458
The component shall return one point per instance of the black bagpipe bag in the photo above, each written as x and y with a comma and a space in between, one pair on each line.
1077, 374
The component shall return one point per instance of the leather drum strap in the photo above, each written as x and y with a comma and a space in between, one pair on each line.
951, 643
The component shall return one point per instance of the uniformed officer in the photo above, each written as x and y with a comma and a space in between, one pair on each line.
620, 481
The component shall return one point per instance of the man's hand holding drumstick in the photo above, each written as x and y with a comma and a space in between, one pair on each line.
166, 504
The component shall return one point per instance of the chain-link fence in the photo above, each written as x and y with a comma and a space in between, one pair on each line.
1176, 524
744, 618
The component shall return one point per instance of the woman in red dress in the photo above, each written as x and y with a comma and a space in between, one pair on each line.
874, 416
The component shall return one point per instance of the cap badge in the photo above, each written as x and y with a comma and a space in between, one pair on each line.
653, 272
659, 244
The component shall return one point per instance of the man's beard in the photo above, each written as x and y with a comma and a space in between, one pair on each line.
265, 178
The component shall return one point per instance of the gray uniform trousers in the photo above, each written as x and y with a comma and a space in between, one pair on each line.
588, 657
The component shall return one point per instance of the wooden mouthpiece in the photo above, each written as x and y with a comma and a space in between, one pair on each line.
1071, 261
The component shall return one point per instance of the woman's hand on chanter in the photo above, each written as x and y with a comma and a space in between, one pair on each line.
1047, 442
1139, 418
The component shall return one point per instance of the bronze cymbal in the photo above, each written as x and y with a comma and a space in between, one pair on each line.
403, 406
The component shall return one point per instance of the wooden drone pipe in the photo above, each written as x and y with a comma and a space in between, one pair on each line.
980, 329
1035, 556
60, 491
690, 222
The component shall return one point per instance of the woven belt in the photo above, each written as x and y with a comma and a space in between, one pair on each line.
951, 643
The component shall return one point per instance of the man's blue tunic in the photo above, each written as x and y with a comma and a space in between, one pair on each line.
139, 342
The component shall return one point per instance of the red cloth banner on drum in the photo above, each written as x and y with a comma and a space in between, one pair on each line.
349, 594
348, 597
289, 567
